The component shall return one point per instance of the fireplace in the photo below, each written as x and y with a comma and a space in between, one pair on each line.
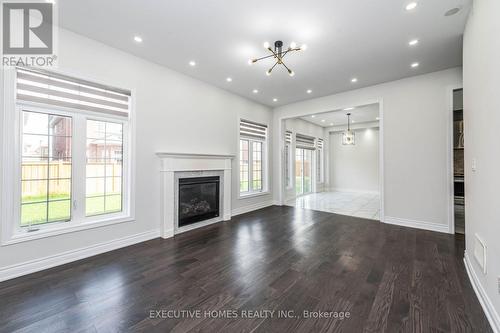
198, 199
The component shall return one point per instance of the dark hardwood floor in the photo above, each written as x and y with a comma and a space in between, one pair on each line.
387, 278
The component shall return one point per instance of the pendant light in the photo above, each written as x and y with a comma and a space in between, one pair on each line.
348, 137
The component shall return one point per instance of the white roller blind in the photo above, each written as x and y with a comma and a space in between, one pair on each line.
251, 130
304, 141
59, 90
288, 137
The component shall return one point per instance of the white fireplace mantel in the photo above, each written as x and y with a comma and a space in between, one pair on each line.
191, 165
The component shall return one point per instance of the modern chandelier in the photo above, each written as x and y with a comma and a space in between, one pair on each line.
278, 54
348, 136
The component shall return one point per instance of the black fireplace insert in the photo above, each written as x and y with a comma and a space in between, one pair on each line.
198, 199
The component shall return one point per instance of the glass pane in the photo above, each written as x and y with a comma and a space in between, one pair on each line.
113, 203
307, 171
35, 145
94, 205
96, 148
33, 190
60, 168
113, 149
244, 174
59, 210
96, 129
298, 170
33, 213
59, 189
34, 168
114, 131
59, 147
94, 187
95, 167
113, 185
113, 168
35, 123
59, 125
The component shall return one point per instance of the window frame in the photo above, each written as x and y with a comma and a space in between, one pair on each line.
265, 143
11, 230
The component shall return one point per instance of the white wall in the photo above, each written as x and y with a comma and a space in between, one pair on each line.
482, 120
355, 168
415, 124
297, 125
174, 113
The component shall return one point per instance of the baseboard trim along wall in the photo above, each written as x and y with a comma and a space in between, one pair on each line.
417, 224
336, 189
249, 208
28, 267
484, 300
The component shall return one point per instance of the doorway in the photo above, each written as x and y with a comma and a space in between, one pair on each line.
458, 162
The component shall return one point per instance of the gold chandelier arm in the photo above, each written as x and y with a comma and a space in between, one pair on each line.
271, 69
288, 69
258, 59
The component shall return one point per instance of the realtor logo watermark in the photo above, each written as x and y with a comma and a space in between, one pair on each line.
28, 33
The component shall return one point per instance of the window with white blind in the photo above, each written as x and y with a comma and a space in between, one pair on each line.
252, 157
319, 161
73, 152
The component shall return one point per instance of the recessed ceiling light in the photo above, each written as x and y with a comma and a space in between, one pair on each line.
378, 118
353, 121
313, 116
138, 39
275, 99
323, 120
50, 1
309, 91
255, 91
415, 65
228, 79
349, 109
192, 63
331, 124
411, 6
354, 80
413, 42
452, 11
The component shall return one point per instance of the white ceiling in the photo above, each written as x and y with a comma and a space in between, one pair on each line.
360, 114
346, 38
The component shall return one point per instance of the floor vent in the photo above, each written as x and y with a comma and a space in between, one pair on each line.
480, 253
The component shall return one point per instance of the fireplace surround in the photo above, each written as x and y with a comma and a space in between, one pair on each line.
179, 169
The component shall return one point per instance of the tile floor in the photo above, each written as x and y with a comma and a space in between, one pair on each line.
364, 205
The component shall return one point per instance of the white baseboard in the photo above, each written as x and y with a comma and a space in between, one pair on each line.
483, 298
32, 266
249, 208
416, 224
336, 189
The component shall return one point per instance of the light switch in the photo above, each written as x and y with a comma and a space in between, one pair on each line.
474, 164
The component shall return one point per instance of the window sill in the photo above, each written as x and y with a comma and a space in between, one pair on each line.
252, 195
60, 229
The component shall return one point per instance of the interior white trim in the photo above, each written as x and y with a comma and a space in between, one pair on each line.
450, 152
336, 189
28, 267
484, 300
416, 224
250, 208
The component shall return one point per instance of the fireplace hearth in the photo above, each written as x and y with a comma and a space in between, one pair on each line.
198, 199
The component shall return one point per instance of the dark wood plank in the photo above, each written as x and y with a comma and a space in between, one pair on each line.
388, 278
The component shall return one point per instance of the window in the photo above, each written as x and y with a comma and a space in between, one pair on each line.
103, 193
253, 138
288, 159
45, 168
72, 153
319, 161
